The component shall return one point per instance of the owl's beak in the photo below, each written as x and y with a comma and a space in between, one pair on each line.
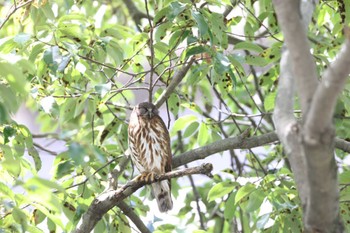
150, 113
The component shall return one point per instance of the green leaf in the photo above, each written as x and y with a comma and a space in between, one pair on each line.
230, 208
244, 191
6, 191
77, 153
177, 37
256, 198
161, 30
174, 103
196, 50
344, 177
222, 63
221, 189
72, 16
175, 8
246, 45
20, 217
191, 129
183, 122
256, 60
30, 147
64, 168
201, 23
8, 133
203, 135
269, 102
52, 57
80, 104
218, 28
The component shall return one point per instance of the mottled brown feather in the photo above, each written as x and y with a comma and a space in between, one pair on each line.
149, 143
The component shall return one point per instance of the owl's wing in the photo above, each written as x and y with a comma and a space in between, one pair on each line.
166, 144
134, 141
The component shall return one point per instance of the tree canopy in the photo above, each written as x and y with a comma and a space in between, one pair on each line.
213, 68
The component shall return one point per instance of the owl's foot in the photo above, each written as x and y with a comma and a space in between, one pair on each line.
147, 177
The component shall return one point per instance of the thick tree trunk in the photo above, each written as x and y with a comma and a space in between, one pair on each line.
309, 144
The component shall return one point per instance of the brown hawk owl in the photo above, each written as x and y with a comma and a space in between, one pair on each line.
149, 143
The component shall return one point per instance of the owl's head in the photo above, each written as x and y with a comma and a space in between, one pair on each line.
146, 109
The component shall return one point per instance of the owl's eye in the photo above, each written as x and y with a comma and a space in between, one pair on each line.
142, 111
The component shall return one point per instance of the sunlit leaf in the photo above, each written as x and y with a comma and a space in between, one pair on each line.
201, 23
244, 191
221, 189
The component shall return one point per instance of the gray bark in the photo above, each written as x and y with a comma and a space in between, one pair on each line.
309, 144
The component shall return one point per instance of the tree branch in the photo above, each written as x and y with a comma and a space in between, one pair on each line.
239, 142
333, 82
110, 198
107, 200
179, 75
128, 211
14, 8
135, 13
304, 67
310, 145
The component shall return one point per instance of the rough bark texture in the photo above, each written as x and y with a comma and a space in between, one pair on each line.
309, 144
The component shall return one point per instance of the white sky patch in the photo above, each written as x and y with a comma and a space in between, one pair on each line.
47, 103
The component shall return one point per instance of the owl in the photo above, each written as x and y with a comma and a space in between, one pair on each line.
149, 143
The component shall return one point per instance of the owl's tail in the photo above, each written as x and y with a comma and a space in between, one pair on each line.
162, 193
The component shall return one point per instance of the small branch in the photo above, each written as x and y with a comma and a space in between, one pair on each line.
342, 144
135, 13
197, 197
110, 198
179, 75
128, 211
14, 8
44, 149
150, 91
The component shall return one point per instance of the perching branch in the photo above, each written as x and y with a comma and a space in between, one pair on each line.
111, 198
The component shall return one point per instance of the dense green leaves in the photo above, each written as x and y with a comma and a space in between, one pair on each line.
80, 67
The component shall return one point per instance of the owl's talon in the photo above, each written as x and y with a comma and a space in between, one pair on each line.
147, 177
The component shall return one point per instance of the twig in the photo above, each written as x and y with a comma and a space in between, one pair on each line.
179, 75
151, 62
135, 13
128, 211
44, 149
15, 7
197, 198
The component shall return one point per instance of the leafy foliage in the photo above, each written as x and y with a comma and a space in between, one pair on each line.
80, 66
